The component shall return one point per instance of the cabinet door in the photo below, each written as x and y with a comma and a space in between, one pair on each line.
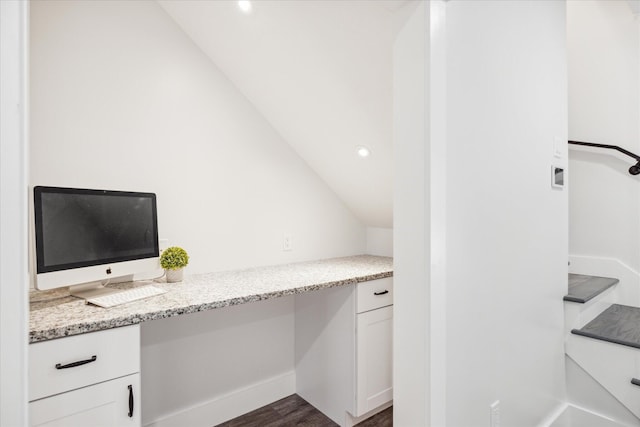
374, 359
116, 353
101, 405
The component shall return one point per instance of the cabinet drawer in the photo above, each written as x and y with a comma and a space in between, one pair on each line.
374, 294
53, 368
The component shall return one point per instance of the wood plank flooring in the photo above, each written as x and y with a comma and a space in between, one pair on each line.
295, 411
381, 419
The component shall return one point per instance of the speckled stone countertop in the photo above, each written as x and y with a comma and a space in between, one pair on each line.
55, 314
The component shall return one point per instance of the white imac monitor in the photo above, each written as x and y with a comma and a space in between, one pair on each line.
85, 237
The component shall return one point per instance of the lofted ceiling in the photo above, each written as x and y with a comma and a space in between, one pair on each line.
321, 73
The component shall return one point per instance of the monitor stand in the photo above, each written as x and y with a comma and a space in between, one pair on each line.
91, 290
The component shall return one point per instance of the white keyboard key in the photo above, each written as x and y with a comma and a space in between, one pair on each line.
125, 296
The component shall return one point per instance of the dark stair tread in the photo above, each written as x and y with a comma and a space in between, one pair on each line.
582, 288
619, 324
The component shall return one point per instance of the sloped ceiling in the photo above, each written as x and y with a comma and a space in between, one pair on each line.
320, 73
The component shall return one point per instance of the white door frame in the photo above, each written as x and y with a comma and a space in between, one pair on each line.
13, 213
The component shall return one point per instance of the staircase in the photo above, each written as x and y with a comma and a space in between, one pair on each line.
603, 338
584, 288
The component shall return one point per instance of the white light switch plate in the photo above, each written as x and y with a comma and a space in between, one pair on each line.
559, 147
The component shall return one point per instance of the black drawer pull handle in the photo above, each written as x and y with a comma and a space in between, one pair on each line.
381, 293
635, 381
78, 363
130, 401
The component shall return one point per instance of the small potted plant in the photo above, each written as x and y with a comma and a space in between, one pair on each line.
174, 260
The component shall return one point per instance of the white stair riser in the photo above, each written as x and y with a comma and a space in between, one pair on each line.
612, 365
628, 289
576, 315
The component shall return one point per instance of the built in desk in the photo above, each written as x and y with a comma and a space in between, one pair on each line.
54, 314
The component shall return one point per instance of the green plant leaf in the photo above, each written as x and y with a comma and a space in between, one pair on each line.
174, 258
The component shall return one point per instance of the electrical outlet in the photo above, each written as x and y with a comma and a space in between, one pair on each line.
495, 414
163, 244
287, 243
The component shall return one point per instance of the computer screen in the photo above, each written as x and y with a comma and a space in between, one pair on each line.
92, 234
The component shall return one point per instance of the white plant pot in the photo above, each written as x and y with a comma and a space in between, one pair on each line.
174, 276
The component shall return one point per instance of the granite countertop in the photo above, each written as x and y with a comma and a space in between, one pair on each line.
56, 314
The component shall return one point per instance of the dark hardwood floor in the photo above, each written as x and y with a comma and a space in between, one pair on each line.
295, 411
381, 419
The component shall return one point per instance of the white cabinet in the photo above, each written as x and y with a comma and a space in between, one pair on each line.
100, 405
89, 379
374, 385
343, 349
374, 294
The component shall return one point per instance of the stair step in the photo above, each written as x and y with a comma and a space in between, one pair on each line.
619, 324
582, 288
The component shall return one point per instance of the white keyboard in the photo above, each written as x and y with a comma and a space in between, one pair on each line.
125, 296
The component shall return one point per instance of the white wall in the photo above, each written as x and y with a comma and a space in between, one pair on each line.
411, 218
379, 241
226, 362
122, 99
480, 236
603, 43
13, 227
324, 83
506, 228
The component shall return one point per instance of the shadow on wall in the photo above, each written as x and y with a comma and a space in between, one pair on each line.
610, 160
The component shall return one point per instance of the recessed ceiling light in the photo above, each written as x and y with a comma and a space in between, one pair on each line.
245, 6
363, 151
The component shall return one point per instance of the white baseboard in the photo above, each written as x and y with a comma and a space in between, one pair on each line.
552, 419
569, 415
351, 421
238, 402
